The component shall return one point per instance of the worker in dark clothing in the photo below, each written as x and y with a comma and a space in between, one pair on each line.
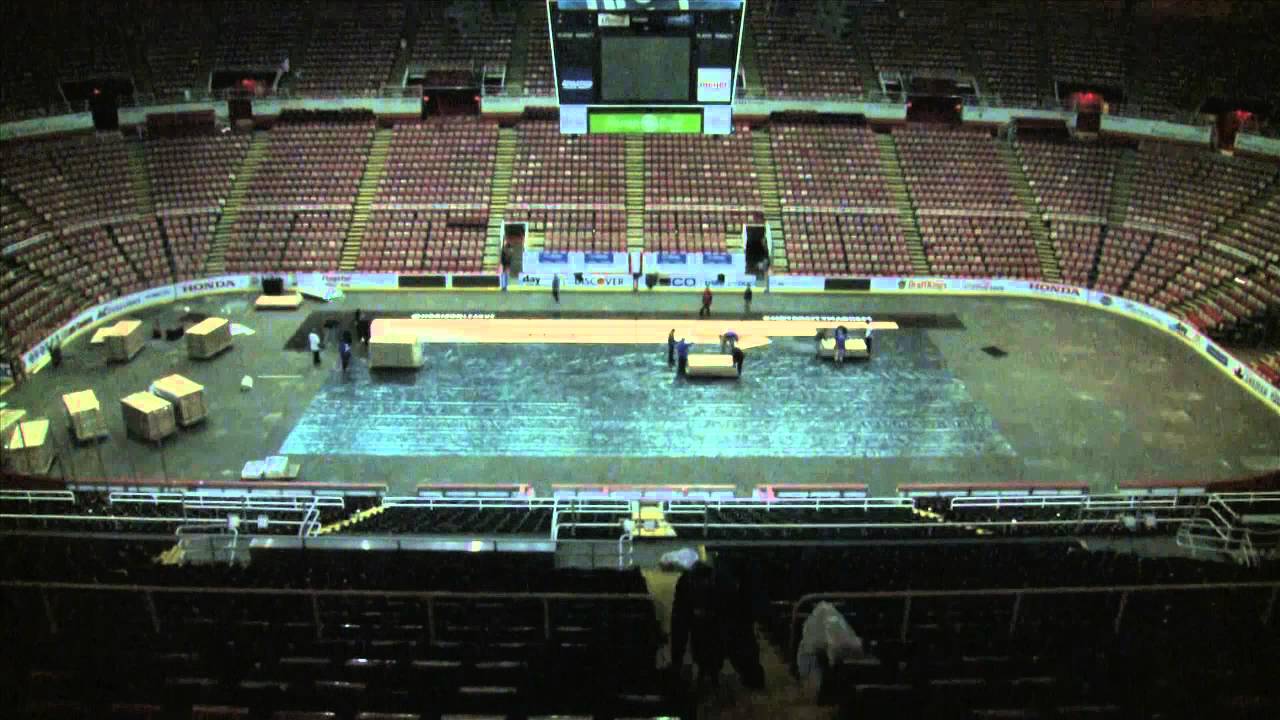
842, 335
746, 299
344, 352
555, 288
682, 355
671, 348
738, 356
706, 303
713, 614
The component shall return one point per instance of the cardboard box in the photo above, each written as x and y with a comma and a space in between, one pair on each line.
27, 449
208, 338
148, 417
125, 340
187, 397
85, 415
395, 351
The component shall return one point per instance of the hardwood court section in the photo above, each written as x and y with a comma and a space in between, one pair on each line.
751, 333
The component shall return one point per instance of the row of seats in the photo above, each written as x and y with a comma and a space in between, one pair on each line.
420, 240
846, 244
352, 48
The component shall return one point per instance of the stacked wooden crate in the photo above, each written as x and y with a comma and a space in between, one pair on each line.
208, 338
124, 340
187, 397
85, 415
147, 416
27, 449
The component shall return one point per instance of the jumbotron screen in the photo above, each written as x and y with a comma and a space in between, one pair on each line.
646, 69
645, 52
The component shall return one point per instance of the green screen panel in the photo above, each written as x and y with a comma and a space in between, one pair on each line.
667, 121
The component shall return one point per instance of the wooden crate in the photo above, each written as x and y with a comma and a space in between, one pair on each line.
278, 302
187, 397
9, 418
148, 417
85, 415
125, 340
208, 338
27, 449
395, 351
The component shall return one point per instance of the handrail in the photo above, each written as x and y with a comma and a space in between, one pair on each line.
907, 595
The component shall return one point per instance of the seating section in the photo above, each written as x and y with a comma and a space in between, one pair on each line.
954, 169
570, 188
1005, 43
142, 244
72, 181
1269, 366
1085, 42
34, 308
699, 189
702, 231
300, 200
285, 648
1258, 233
799, 59
352, 48
1070, 180
1031, 655
915, 38
440, 162
190, 235
1189, 191
177, 41
961, 246
253, 36
538, 76
846, 243
301, 240
971, 223
1076, 246
194, 173
463, 36
828, 165
1162, 257
422, 240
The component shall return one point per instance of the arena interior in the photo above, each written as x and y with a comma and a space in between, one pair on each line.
345, 377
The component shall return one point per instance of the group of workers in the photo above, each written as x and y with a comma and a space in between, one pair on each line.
841, 336
678, 351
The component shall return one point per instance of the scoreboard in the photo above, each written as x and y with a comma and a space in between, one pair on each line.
645, 63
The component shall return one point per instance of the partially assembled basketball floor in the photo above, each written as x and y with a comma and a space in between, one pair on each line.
539, 394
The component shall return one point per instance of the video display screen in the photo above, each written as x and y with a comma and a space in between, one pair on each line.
646, 69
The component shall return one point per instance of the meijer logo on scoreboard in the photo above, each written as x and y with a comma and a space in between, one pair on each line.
715, 84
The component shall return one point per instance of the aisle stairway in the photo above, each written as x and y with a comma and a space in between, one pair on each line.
897, 186
1122, 188
635, 192
767, 180
216, 263
527, 19
140, 178
499, 193
1049, 268
374, 169
347, 522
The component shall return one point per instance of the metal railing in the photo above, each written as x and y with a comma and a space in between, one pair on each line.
801, 607
431, 600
